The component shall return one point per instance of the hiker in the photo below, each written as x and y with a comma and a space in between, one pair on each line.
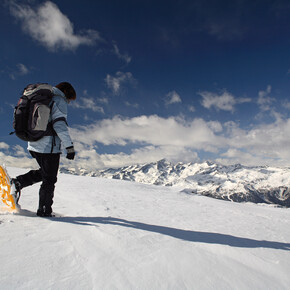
47, 150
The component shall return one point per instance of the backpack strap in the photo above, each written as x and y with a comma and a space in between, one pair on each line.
52, 132
59, 119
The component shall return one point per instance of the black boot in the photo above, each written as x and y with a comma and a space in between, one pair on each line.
43, 213
17, 191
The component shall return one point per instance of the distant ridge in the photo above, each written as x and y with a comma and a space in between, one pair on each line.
257, 184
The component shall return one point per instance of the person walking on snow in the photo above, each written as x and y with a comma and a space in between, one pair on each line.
47, 151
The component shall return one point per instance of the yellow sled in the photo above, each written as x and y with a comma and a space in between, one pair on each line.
5, 191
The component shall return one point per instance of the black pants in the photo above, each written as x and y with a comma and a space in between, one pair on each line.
47, 173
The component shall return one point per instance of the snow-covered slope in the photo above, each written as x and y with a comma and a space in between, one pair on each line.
123, 235
236, 183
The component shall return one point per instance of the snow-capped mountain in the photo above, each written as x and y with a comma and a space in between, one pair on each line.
260, 184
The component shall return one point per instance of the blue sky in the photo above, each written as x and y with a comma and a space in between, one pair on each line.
182, 80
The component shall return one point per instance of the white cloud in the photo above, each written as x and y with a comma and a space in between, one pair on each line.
286, 104
15, 156
4, 146
23, 70
264, 99
88, 103
225, 101
173, 98
268, 142
135, 105
20, 70
89, 158
19, 151
191, 109
114, 83
149, 154
125, 57
234, 156
152, 130
49, 26
103, 100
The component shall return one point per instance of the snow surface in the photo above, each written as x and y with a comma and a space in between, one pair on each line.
114, 234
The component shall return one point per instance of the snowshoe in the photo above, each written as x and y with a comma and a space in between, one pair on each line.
8, 199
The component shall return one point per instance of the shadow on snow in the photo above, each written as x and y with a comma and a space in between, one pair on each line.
186, 235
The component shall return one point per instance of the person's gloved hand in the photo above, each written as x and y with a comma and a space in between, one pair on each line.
70, 152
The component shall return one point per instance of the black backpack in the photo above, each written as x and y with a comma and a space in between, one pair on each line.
31, 115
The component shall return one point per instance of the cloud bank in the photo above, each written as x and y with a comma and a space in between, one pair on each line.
152, 138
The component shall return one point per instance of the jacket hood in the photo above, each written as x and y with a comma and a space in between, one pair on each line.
58, 92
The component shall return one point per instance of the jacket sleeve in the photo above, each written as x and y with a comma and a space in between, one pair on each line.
59, 121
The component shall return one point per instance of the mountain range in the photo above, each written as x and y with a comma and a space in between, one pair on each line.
257, 184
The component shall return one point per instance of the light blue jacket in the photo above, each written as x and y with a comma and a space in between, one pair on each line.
58, 116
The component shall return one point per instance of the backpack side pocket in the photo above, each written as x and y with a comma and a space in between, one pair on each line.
40, 117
